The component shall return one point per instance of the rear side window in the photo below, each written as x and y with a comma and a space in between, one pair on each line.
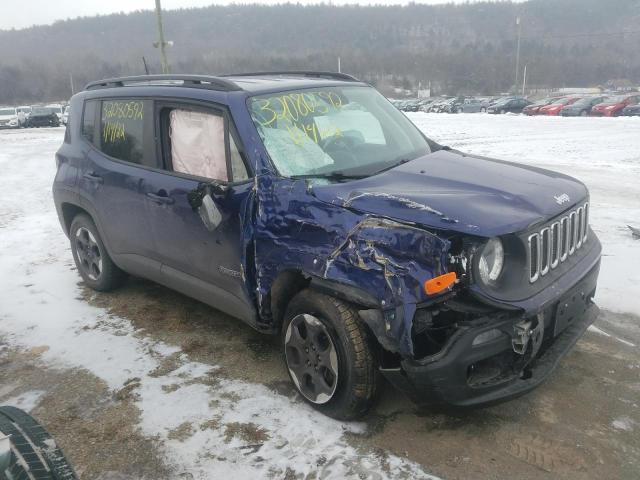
89, 120
122, 129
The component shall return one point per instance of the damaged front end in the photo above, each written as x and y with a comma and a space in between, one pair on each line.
464, 345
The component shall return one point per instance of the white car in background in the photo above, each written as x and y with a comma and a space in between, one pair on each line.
58, 110
10, 117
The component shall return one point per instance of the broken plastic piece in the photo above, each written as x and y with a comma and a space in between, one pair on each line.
440, 283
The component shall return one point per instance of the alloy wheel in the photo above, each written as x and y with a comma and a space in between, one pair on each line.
89, 254
311, 358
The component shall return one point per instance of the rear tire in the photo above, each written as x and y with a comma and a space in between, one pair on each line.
318, 323
91, 257
503, 111
34, 452
583, 113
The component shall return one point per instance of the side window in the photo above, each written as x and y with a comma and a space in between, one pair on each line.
122, 128
89, 120
197, 142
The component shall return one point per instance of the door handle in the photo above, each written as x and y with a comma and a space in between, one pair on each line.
92, 177
161, 199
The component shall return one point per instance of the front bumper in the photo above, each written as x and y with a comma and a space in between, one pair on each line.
464, 375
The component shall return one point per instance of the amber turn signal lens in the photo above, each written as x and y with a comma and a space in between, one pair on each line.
438, 284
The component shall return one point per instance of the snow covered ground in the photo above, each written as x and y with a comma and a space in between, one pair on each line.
41, 304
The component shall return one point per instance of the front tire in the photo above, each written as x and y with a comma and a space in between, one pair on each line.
329, 355
91, 257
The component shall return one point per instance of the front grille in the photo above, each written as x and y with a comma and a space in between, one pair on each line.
556, 242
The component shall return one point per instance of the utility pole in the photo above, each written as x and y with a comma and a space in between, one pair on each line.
524, 79
515, 83
161, 43
339, 70
73, 90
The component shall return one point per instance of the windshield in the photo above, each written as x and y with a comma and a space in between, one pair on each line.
617, 99
7, 111
334, 131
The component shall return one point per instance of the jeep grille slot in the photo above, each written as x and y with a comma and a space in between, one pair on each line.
557, 241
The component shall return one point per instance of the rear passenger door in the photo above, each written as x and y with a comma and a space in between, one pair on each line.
198, 146
120, 134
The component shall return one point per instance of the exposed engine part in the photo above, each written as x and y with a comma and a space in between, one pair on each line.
531, 330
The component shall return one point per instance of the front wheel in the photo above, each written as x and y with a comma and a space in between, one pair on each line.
90, 255
329, 355
503, 111
583, 113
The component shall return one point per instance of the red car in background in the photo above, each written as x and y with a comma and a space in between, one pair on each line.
554, 108
534, 108
614, 105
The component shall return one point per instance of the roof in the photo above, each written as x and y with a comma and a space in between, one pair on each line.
259, 82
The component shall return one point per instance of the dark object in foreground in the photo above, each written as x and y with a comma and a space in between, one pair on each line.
306, 205
27, 451
43, 117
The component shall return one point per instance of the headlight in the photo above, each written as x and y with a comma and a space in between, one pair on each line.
491, 261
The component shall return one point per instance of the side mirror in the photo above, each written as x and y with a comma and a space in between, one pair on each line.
209, 213
201, 200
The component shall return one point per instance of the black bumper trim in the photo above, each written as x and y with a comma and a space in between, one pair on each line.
443, 378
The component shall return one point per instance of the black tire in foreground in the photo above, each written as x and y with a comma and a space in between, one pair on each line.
33, 453
329, 355
91, 257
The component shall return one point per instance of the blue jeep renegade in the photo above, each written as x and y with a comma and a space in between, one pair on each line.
306, 205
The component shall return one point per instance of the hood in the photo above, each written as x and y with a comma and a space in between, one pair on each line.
452, 191
8, 117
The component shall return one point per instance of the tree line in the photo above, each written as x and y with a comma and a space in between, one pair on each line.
459, 49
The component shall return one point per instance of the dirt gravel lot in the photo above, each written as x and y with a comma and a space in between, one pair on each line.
579, 425
239, 408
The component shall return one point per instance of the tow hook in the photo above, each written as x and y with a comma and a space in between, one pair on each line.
526, 331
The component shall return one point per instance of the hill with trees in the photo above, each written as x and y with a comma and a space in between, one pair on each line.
459, 48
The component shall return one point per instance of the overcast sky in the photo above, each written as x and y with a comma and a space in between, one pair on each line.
24, 13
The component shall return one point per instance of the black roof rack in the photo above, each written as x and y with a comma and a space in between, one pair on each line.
303, 73
191, 81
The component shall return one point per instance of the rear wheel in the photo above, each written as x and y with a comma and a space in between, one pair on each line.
329, 355
583, 113
28, 451
503, 111
94, 263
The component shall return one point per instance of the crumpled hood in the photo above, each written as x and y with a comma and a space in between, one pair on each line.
453, 191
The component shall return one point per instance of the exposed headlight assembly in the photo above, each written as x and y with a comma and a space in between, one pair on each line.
491, 261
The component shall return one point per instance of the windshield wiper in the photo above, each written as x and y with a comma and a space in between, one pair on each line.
331, 176
393, 165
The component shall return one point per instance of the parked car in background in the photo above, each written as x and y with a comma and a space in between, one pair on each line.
534, 108
553, 109
43, 117
631, 111
470, 105
65, 116
582, 107
10, 117
613, 106
58, 110
26, 109
509, 105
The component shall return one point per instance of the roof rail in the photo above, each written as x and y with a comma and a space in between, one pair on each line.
303, 73
191, 81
